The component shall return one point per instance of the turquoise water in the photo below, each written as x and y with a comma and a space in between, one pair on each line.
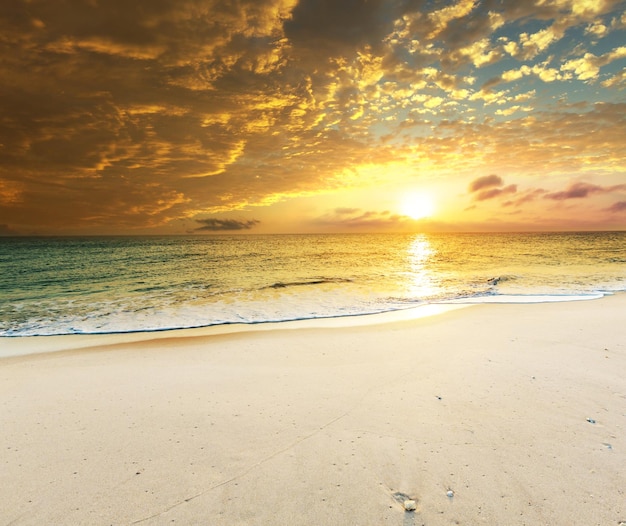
122, 284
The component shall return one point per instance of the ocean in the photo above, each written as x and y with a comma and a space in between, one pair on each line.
95, 285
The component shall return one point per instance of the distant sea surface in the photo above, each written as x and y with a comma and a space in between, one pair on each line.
126, 284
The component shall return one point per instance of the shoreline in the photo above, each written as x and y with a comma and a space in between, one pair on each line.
517, 409
36, 344
28, 345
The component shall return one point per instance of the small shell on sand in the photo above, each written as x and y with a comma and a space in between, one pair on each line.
410, 505
450, 493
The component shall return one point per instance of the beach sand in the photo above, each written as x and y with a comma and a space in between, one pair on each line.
491, 414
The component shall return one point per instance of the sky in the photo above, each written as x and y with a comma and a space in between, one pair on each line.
287, 116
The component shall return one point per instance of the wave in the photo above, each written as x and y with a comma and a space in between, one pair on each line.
524, 298
501, 279
39, 329
319, 281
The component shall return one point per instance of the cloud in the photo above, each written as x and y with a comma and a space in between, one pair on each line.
619, 206
490, 187
535, 43
526, 196
486, 181
481, 53
495, 192
513, 109
119, 116
542, 70
217, 225
443, 16
597, 29
356, 218
552, 142
329, 27
10, 192
582, 190
588, 66
616, 81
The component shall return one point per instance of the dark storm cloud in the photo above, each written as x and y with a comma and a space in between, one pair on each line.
216, 225
486, 181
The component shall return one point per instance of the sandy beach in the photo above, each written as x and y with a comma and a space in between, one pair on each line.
491, 414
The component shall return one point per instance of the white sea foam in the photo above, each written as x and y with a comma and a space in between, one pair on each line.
523, 298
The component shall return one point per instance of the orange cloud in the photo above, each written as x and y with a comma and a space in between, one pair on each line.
143, 117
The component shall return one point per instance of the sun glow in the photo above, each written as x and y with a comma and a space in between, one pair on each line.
417, 206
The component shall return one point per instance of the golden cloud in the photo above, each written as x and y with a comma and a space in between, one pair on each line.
159, 111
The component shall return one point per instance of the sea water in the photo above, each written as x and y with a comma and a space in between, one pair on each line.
125, 284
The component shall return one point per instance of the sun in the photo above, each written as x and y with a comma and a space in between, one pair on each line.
417, 205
